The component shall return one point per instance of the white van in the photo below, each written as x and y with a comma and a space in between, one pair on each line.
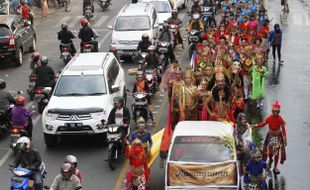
131, 23
202, 156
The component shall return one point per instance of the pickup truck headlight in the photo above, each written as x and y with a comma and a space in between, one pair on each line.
98, 115
51, 116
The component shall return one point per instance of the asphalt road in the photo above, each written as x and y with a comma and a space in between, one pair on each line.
289, 84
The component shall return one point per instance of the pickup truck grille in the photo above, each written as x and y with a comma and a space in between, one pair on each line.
72, 117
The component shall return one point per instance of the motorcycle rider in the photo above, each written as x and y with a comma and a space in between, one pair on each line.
6, 99
71, 159
35, 60
175, 20
255, 170
87, 34
144, 44
209, 3
196, 8
166, 36
275, 141
65, 36
29, 158
144, 135
21, 116
66, 180
152, 61
45, 74
88, 3
120, 115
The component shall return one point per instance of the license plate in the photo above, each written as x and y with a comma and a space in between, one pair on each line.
17, 179
65, 54
140, 103
39, 96
113, 136
15, 135
73, 125
193, 38
162, 50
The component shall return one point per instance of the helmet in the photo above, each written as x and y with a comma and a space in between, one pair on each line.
2, 84
35, 56
84, 22
71, 159
118, 99
20, 100
44, 60
64, 26
22, 141
151, 48
174, 12
145, 36
113, 49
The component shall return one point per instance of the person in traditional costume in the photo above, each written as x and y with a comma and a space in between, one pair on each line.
276, 140
259, 73
204, 98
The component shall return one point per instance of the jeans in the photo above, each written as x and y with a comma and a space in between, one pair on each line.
278, 49
37, 177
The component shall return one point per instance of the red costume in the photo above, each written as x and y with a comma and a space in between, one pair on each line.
25, 12
138, 161
276, 137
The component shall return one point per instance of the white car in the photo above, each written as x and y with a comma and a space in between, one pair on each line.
163, 9
178, 3
83, 96
131, 23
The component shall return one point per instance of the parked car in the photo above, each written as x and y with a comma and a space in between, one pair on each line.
83, 96
202, 156
131, 23
16, 38
163, 9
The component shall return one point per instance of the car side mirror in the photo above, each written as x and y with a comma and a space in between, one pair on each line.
110, 27
115, 88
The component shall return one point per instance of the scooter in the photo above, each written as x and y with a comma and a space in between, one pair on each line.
207, 16
163, 54
104, 4
151, 76
193, 39
88, 14
66, 53
140, 106
42, 96
16, 133
116, 145
174, 29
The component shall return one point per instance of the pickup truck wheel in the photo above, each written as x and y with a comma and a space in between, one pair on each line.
33, 46
50, 140
19, 58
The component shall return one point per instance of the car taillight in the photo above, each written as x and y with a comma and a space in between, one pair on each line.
86, 46
14, 131
66, 49
39, 91
11, 42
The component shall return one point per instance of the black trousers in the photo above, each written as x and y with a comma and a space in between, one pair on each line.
278, 49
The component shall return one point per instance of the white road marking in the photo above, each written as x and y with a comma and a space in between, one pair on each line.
111, 22
5, 157
62, 21
75, 21
105, 37
100, 21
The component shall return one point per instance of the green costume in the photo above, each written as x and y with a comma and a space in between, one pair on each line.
258, 82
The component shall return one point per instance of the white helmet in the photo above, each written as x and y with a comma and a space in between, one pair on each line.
24, 140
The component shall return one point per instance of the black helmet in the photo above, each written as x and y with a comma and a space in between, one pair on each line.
145, 37
44, 60
64, 26
118, 99
2, 84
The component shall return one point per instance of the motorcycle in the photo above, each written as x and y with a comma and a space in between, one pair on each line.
174, 29
66, 53
116, 145
151, 76
141, 62
42, 96
140, 106
88, 14
256, 184
163, 54
193, 39
104, 3
207, 16
16, 133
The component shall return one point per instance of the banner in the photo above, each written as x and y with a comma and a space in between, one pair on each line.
200, 175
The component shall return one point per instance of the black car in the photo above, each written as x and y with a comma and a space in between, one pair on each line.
16, 37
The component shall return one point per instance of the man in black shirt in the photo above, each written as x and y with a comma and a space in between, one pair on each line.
45, 74
86, 34
65, 36
30, 159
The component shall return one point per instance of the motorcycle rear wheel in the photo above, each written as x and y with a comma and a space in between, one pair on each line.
113, 163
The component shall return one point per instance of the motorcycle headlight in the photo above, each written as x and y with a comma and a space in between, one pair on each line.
149, 77
51, 116
110, 129
98, 115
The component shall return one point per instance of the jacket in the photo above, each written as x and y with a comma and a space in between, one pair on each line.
86, 34
272, 36
144, 45
30, 160
65, 36
126, 116
20, 115
5, 100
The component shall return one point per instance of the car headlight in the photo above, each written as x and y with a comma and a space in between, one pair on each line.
98, 115
51, 116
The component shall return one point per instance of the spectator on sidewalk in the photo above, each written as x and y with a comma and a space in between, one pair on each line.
285, 5
275, 41
44, 8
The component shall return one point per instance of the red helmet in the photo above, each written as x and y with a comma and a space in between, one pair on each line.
84, 22
20, 100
